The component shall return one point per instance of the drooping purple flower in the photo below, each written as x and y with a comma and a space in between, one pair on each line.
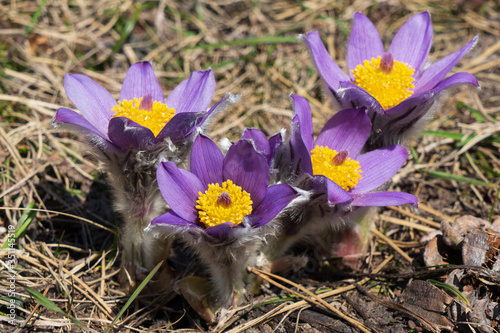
220, 208
396, 87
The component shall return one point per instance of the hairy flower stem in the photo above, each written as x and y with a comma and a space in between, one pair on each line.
227, 264
138, 201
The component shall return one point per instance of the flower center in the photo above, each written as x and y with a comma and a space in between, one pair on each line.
146, 112
341, 169
226, 203
386, 79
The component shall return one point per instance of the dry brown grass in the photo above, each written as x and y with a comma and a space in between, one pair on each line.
62, 254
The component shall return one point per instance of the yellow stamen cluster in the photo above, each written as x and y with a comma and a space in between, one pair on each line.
154, 119
389, 87
344, 171
226, 203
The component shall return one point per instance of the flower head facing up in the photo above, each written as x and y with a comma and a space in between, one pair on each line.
142, 117
223, 203
220, 194
334, 158
396, 86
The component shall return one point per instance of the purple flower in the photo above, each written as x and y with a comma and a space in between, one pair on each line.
396, 87
222, 208
221, 194
335, 163
142, 117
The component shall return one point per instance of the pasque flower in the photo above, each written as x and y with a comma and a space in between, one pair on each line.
397, 88
332, 169
220, 207
132, 135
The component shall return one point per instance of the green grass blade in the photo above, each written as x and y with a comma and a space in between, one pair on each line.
23, 223
459, 137
460, 179
47, 303
135, 294
129, 26
450, 289
36, 16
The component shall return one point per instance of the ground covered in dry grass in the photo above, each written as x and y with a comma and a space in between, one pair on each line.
67, 258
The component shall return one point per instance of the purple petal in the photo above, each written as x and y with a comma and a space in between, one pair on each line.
364, 42
438, 70
327, 68
346, 130
274, 142
336, 194
378, 166
413, 41
180, 189
141, 81
320, 184
276, 199
304, 118
172, 219
220, 231
71, 120
259, 139
300, 156
92, 100
351, 96
379, 199
194, 94
206, 160
64, 115
247, 168
457, 78
127, 134
180, 126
